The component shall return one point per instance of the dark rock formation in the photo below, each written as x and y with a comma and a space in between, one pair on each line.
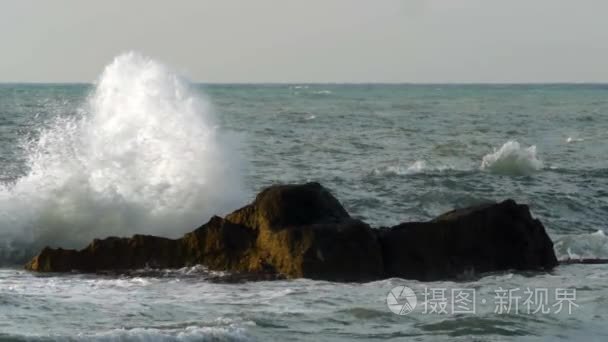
490, 237
303, 231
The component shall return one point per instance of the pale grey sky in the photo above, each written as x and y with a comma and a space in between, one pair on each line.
311, 40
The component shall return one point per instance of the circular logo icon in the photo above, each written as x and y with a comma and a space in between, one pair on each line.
401, 300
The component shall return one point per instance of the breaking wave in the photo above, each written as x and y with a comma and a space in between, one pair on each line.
144, 154
592, 245
512, 159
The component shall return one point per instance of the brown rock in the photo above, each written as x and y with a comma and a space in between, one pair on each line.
303, 231
112, 254
220, 245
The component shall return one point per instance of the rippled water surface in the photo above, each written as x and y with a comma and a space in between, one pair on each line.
187, 305
390, 153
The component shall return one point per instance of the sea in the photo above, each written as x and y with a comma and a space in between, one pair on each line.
141, 149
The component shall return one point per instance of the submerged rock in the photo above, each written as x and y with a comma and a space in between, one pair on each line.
303, 231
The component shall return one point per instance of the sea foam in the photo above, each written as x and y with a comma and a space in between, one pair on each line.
591, 245
512, 159
232, 333
144, 155
190, 333
417, 167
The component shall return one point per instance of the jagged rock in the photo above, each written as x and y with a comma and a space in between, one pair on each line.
303, 231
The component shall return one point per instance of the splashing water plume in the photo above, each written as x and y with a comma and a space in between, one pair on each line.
144, 155
512, 159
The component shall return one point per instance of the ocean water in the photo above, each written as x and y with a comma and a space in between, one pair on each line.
143, 150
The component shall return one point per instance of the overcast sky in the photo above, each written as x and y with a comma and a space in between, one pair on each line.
311, 40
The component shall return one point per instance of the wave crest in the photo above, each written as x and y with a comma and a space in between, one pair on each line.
512, 159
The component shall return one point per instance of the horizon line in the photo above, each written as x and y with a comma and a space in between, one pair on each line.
331, 83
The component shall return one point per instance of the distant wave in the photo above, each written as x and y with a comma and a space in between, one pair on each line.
418, 167
573, 140
512, 159
307, 91
145, 155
